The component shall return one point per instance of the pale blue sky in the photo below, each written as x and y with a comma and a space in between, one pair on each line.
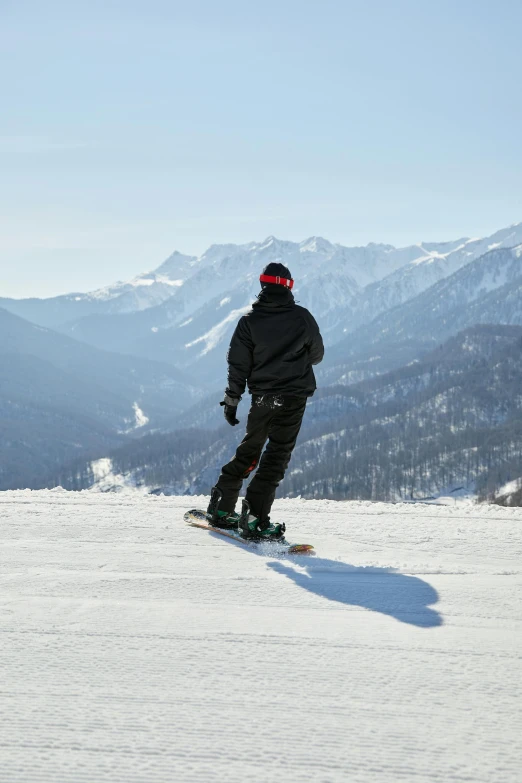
132, 128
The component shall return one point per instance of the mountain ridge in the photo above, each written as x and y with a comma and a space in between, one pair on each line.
369, 263
486, 290
203, 294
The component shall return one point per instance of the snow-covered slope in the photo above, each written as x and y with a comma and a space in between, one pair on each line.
135, 648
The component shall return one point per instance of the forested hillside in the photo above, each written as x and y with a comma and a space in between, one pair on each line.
452, 420
60, 399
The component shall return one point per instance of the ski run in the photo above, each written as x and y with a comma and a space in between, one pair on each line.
137, 649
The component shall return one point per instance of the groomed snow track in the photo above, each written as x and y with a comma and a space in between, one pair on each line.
136, 649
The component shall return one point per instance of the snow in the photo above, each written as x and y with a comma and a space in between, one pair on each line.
166, 281
149, 289
138, 649
144, 281
316, 245
107, 480
141, 418
510, 487
101, 467
269, 241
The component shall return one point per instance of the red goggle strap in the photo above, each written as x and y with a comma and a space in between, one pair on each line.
277, 280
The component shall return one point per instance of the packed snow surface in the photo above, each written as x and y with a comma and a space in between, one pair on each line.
138, 649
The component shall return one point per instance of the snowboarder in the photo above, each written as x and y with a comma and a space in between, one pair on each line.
272, 350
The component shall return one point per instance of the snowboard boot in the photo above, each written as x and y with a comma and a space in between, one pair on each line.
224, 519
253, 528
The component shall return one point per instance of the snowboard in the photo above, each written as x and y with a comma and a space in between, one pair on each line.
281, 546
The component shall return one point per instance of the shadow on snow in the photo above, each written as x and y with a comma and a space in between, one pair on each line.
406, 598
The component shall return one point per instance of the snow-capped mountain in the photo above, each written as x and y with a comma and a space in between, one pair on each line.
185, 310
192, 297
328, 277
141, 293
441, 309
145, 290
485, 291
433, 263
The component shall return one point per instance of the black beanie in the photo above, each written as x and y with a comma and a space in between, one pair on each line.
277, 270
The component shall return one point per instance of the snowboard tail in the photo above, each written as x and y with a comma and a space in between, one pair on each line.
198, 518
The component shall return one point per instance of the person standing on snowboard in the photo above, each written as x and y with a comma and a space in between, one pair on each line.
272, 350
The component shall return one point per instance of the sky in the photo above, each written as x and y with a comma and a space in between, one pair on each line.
131, 129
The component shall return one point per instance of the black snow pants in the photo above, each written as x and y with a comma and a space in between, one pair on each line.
278, 418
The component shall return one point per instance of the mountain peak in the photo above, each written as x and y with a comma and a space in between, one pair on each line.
175, 265
316, 245
270, 242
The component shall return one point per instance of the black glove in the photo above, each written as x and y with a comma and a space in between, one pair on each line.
230, 404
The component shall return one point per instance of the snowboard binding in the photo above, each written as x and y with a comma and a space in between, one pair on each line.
251, 527
228, 520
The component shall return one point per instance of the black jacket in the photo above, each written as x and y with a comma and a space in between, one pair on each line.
274, 347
